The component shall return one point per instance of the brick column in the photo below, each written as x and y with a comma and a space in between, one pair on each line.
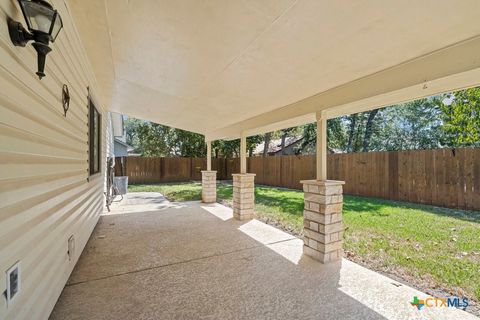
209, 186
322, 214
243, 196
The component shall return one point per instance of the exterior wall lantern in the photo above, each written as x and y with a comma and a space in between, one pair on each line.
43, 22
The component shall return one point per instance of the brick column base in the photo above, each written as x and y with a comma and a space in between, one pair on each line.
209, 186
322, 214
243, 196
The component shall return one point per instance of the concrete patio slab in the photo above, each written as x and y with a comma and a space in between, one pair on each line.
159, 260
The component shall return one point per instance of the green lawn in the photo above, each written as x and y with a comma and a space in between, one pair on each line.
433, 248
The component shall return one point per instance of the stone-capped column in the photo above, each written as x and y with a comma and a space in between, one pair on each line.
243, 196
322, 214
209, 186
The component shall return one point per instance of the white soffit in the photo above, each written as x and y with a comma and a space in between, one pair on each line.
220, 67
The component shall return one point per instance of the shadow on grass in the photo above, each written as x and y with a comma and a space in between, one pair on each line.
184, 195
287, 204
276, 197
360, 204
225, 192
374, 206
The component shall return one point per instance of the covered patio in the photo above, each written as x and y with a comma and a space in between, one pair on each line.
153, 259
226, 70
235, 70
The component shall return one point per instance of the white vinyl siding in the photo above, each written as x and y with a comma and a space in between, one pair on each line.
46, 194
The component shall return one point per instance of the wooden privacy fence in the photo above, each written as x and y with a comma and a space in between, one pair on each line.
444, 177
154, 169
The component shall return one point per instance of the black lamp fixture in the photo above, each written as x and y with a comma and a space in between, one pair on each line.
43, 22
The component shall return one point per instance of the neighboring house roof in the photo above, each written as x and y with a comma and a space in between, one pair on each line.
129, 147
335, 150
275, 146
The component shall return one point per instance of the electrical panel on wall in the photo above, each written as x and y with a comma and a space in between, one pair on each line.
13, 283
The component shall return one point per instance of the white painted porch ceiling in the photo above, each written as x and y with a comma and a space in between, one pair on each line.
203, 65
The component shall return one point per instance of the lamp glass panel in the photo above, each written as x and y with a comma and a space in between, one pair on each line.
39, 17
58, 24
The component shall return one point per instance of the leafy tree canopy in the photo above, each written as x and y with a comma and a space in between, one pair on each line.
461, 118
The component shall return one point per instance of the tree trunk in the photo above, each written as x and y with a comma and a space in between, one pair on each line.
282, 146
268, 137
368, 130
351, 132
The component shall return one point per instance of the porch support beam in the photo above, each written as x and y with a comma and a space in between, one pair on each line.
323, 202
209, 155
243, 153
243, 186
209, 179
321, 146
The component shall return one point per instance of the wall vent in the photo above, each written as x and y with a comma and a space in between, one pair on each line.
13, 283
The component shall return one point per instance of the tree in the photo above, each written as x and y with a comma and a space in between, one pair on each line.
266, 143
309, 141
351, 131
369, 129
461, 118
335, 136
154, 139
285, 133
231, 148
131, 129
188, 144
409, 126
227, 148
253, 142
